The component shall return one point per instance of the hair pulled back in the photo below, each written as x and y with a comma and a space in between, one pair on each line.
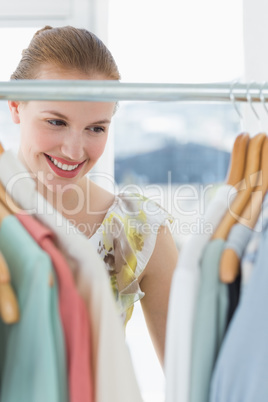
66, 48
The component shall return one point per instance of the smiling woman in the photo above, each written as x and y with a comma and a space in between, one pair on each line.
60, 142
70, 134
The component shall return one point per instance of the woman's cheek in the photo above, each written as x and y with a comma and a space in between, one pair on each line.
96, 150
45, 141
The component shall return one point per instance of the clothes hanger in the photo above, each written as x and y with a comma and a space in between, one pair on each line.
238, 160
230, 261
9, 308
4, 197
245, 187
248, 182
8, 202
239, 151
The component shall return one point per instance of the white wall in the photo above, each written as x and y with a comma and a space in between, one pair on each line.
255, 59
177, 40
90, 14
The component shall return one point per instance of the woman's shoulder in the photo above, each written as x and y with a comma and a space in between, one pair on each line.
137, 207
131, 225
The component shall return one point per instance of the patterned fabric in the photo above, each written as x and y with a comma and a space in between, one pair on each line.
125, 241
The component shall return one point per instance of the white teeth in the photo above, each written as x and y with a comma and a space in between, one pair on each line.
62, 166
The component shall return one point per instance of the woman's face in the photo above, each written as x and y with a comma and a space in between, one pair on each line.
61, 141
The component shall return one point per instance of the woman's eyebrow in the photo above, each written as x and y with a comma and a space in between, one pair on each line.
105, 121
61, 116
55, 113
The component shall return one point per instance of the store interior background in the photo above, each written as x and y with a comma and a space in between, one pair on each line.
171, 41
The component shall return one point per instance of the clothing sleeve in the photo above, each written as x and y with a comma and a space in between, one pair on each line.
238, 239
214, 212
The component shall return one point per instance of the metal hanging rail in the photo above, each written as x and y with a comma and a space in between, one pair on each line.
68, 90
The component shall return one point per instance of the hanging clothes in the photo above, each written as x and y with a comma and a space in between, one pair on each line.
210, 321
241, 369
33, 363
183, 299
237, 241
234, 289
73, 313
250, 253
113, 373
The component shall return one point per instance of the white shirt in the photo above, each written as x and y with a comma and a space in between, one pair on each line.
182, 302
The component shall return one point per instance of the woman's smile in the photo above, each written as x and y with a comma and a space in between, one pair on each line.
64, 168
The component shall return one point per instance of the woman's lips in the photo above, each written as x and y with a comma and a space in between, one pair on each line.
63, 161
64, 173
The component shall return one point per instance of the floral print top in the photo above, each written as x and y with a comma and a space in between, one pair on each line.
125, 241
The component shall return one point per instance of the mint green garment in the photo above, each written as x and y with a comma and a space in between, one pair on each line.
210, 322
32, 351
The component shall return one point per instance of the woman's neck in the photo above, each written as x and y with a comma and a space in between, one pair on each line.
70, 199
85, 205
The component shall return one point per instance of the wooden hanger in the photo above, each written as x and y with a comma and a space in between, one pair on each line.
230, 262
5, 198
238, 159
245, 187
9, 308
8, 202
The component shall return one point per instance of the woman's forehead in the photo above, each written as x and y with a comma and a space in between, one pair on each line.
53, 72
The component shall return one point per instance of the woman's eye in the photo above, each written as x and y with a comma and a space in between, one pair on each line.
97, 129
55, 122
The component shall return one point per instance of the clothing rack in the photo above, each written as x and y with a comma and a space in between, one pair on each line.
106, 91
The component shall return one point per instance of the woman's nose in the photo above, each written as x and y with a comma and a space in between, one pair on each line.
72, 146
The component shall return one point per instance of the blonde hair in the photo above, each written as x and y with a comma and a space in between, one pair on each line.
67, 48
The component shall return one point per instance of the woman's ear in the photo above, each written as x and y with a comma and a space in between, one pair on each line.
14, 110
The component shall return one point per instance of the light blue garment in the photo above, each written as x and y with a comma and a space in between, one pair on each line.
210, 321
32, 354
238, 239
241, 370
249, 257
